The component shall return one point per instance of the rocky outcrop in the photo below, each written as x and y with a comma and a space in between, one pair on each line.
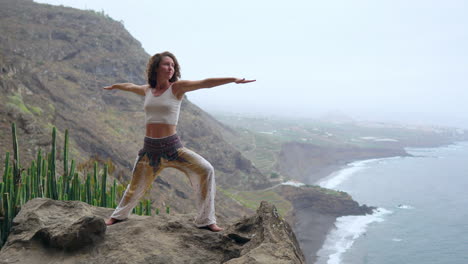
49, 231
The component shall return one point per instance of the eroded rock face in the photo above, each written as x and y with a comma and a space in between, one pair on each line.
267, 238
48, 231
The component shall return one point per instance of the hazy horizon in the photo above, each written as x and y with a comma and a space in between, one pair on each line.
395, 61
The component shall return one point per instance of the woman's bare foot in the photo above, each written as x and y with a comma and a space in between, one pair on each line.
111, 221
214, 228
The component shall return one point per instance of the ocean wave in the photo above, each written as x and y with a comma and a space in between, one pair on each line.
336, 178
405, 206
429, 152
348, 229
293, 183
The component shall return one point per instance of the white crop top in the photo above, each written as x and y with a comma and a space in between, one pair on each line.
163, 109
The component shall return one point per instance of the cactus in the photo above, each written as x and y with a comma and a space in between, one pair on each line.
147, 207
48, 182
16, 199
44, 179
2, 188
54, 194
83, 191
89, 196
70, 177
65, 154
75, 189
157, 211
140, 208
39, 174
9, 188
28, 185
2, 213
4, 221
103, 187
16, 161
96, 183
113, 194
72, 190
168, 209
120, 190
7, 166
32, 185
7, 216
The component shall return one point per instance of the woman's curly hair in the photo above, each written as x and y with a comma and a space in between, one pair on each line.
153, 64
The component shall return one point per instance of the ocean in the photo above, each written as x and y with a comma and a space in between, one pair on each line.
422, 215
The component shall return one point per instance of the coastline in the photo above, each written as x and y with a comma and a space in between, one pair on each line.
345, 229
309, 163
333, 180
313, 227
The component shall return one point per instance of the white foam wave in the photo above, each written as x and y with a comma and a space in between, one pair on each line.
348, 229
336, 178
397, 239
405, 206
293, 183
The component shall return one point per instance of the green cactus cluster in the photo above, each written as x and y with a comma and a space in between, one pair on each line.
20, 184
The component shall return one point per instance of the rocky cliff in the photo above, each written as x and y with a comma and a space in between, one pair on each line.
48, 231
314, 214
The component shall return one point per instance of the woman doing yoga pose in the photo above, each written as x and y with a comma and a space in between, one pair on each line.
162, 147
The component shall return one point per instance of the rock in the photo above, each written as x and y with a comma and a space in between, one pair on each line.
84, 232
266, 238
55, 225
49, 231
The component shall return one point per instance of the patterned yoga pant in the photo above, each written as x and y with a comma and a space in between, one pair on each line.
160, 153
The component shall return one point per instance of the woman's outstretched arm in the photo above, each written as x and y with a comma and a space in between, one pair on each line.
129, 87
187, 86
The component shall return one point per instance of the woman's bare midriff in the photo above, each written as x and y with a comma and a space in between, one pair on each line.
160, 130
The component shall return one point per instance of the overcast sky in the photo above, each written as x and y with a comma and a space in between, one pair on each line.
389, 60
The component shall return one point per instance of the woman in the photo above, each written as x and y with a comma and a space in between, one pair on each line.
162, 147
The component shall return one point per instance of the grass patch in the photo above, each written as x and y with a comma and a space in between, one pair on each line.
52, 107
16, 101
36, 110
328, 191
252, 199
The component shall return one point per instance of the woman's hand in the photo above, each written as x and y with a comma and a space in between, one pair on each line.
243, 80
109, 87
